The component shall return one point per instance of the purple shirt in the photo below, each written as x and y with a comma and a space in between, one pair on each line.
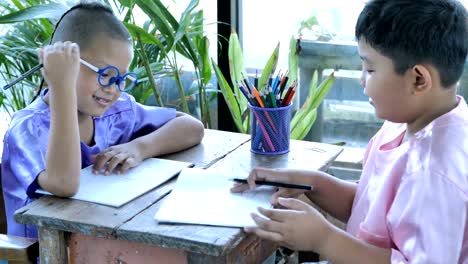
413, 195
25, 146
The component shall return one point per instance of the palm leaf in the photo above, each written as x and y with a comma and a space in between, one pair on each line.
50, 11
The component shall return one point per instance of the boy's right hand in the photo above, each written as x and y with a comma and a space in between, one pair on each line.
61, 64
275, 175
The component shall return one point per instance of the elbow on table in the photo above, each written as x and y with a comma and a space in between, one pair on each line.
198, 133
60, 187
193, 131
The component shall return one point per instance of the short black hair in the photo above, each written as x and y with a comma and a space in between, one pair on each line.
411, 32
85, 21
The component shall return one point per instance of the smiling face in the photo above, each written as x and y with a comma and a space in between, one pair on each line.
93, 99
390, 93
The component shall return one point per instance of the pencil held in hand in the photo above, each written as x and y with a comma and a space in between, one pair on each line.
277, 184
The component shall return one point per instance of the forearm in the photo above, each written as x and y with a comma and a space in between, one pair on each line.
63, 158
333, 195
178, 134
351, 250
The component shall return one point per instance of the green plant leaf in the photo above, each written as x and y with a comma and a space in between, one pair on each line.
50, 11
127, 3
236, 60
304, 126
322, 90
236, 68
185, 21
293, 62
203, 51
229, 97
269, 69
145, 37
304, 118
161, 17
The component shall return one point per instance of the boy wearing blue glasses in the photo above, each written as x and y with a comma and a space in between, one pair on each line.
85, 117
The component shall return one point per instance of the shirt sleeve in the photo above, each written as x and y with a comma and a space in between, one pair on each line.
150, 118
24, 157
427, 220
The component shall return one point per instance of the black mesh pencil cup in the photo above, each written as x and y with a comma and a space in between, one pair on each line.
270, 130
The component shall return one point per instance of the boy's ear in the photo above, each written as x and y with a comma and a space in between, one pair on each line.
422, 78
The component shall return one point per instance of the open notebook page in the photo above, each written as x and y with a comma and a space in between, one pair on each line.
203, 197
116, 190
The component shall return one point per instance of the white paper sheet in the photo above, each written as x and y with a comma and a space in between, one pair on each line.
203, 197
116, 190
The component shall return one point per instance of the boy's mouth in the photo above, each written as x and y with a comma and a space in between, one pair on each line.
102, 101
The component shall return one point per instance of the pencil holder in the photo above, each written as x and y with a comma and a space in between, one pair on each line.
270, 129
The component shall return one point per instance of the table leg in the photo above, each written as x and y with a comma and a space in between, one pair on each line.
52, 246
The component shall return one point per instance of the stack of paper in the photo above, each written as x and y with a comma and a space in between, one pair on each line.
118, 189
203, 197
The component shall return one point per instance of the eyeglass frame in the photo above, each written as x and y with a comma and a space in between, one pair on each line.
119, 78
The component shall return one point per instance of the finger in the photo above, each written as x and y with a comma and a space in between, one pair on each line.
40, 55
46, 50
267, 235
267, 224
58, 46
127, 164
101, 160
265, 174
75, 49
282, 192
114, 161
277, 215
294, 204
67, 47
255, 175
239, 187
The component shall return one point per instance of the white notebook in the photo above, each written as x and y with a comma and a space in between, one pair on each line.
203, 197
116, 190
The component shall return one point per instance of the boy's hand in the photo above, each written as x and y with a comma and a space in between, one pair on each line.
299, 226
118, 158
276, 175
61, 64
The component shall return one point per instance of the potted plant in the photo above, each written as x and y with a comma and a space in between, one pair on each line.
303, 117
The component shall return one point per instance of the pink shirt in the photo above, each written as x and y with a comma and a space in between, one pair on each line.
412, 196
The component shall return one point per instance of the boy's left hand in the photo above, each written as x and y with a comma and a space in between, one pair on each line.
299, 226
119, 158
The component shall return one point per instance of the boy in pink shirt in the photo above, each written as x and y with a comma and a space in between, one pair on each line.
411, 204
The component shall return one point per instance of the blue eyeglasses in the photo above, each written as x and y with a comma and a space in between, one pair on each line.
109, 75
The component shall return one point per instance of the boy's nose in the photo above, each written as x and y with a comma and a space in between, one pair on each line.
110, 89
362, 79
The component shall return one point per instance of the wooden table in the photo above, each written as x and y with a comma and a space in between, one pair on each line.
82, 232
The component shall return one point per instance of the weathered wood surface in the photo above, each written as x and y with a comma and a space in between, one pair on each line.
216, 145
217, 241
302, 155
86, 218
18, 249
134, 222
52, 245
98, 220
